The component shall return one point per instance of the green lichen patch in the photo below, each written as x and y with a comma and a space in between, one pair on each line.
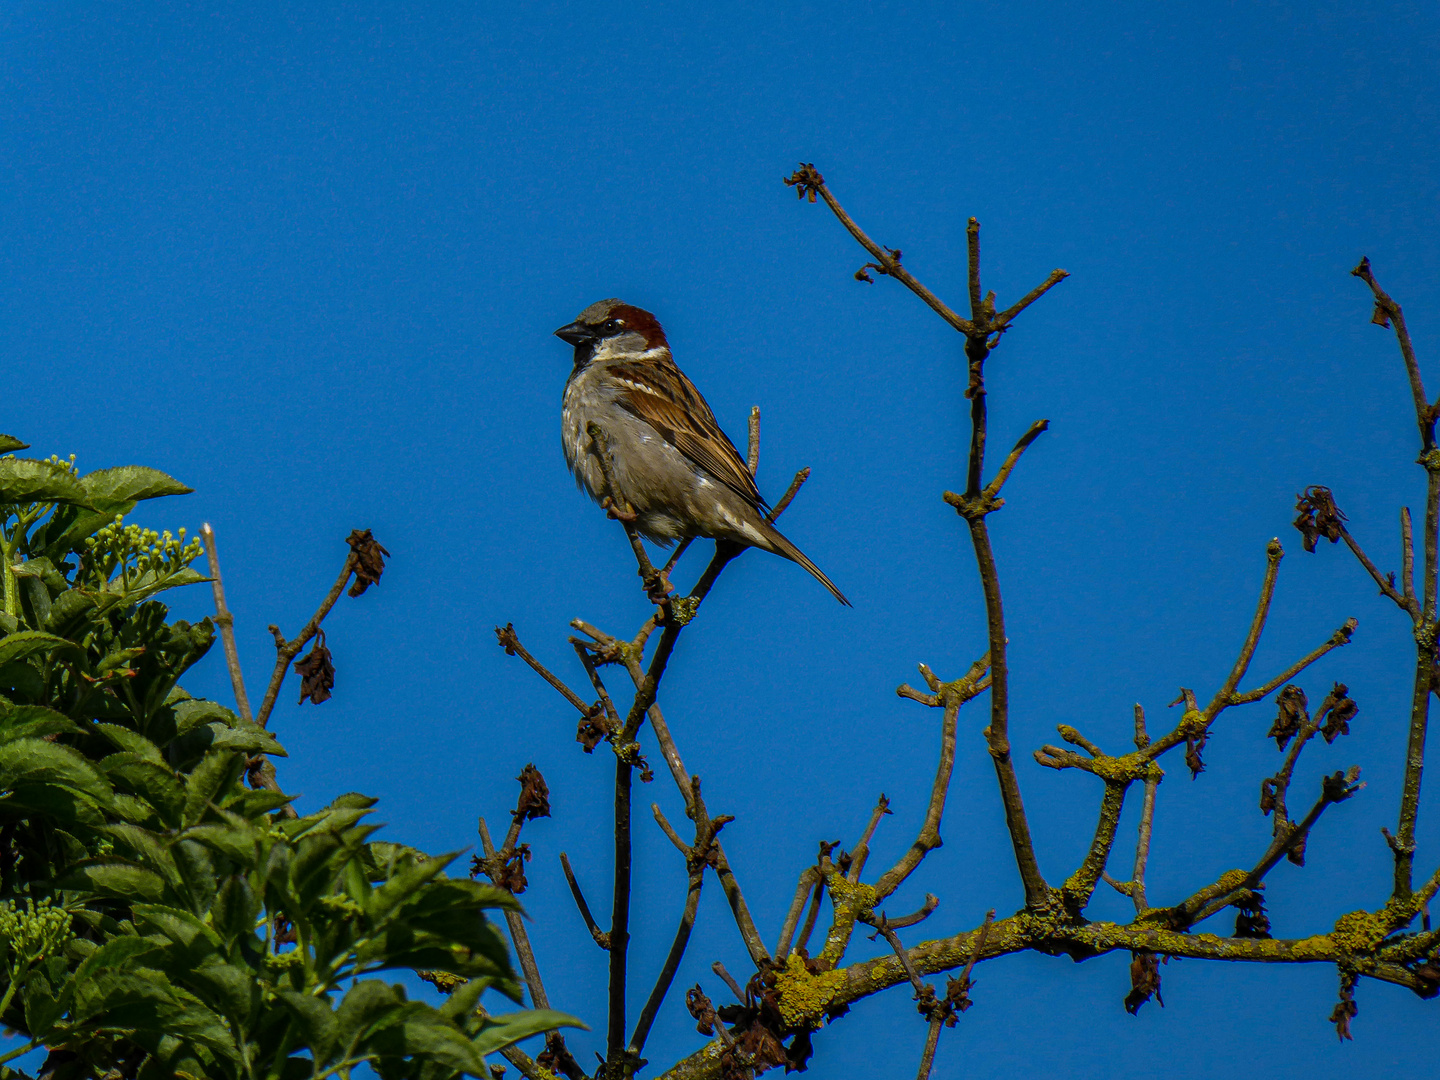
804, 997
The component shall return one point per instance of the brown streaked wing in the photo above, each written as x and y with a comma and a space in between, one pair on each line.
673, 407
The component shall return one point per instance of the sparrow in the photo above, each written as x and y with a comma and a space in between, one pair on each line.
672, 465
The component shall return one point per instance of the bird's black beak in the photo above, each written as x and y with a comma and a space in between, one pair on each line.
577, 334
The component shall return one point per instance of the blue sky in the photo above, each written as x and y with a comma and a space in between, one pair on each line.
308, 259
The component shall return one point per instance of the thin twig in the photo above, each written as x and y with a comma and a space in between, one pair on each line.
1273, 554
862, 849
891, 265
1407, 561
669, 830
619, 936
993, 488
790, 493
1424, 412
752, 448
811, 916
516, 922
510, 642
929, 838
1340, 637
601, 938
927, 1056
918, 916
672, 959
286, 651
809, 878
1386, 582
226, 622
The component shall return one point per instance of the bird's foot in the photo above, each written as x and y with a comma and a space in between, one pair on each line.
616, 512
657, 586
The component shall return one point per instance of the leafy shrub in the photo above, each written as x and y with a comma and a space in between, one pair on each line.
157, 918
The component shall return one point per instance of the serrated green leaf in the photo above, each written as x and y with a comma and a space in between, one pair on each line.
236, 909
28, 642
184, 928
426, 1035
129, 483
36, 761
387, 897
118, 952
216, 772
28, 480
124, 738
34, 721
9, 444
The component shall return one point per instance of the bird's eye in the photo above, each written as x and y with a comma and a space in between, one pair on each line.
612, 325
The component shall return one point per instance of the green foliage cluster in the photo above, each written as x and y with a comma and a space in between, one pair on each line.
157, 918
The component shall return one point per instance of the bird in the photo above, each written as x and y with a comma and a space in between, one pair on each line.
673, 467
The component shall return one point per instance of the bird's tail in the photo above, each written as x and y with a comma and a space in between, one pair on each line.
782, 546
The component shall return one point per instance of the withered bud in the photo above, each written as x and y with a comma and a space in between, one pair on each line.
534, 801
1293, 712
367, 559
316, 671
957, 993
1194, 745
805, 180
1250, 918
702, 1009
512, 871
593, 727
1318, 516
1267, 795
1337, 710
1144, 981
1345, 1009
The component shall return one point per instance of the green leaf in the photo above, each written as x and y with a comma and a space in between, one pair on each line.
124, 738
123, 881
217, 771
191, 713
182, 927
402, 886
236, 909
37, 761
27, 480
118, 952
33, 721
315, 1020
9, 444
28, 642
230, 990
129, 483
512, 1027
427, 1035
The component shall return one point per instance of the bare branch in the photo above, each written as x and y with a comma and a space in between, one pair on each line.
286, 651
1273, 554
1007, 316
809, 878
992, 489
1407, 561
809, 179
1337, 639
601, 938
510, 642
516, 923
1385, 581
790, 493
752, 450
226, 622
929, 838
917, 916
1388, 311
862, 849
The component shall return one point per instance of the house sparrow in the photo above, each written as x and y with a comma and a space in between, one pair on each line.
670, 461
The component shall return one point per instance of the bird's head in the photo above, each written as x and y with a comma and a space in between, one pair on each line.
612, 328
